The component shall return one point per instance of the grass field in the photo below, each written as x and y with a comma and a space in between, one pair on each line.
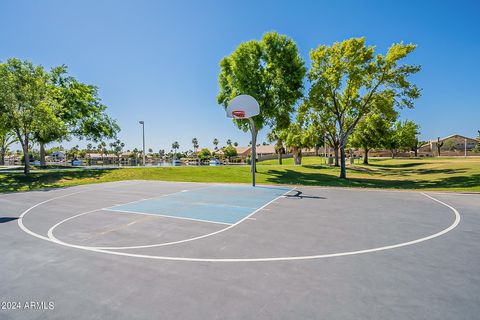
453, 174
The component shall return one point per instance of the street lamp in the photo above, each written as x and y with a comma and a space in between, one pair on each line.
143, 131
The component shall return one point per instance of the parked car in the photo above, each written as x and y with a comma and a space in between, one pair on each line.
77, 162
176, 162
215, 162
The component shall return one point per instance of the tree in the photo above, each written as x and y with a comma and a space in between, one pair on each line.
450, 144
80, 110
27, 103
215, 143
235, 144
117, 147
161, 153
175, 147
297, 137
270, 70
477, 147
370, 133
402, 135
229, 142
416, 146
348, 82
229, 152
439, 145
273, 136
195, 144
204, 154
7, 138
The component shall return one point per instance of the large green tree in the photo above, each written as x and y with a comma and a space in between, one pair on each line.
271, 70
27, 102
348, 82
79, 108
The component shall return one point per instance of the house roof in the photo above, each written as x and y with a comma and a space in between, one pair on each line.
268, 149
241, 150
453, 136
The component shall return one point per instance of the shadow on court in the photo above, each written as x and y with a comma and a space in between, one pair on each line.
7, 219
299, 195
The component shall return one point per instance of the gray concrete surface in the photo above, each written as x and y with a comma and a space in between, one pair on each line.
434, 279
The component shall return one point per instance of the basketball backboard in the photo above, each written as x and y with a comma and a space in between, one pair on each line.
242, 107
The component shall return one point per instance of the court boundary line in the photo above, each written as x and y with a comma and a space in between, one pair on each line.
272, 259
167, 216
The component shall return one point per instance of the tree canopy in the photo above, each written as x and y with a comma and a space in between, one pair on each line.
46, 106
271, 70
348, 82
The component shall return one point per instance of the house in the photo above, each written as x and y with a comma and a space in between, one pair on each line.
450, 144
265, 150
58, 156
243, 152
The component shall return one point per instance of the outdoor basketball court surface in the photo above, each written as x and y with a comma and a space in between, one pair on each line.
170, 250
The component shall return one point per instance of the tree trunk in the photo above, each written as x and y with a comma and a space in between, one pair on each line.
393, 153
365, 156
438, 149
343, 169
317, 148
2, 157
26, 156
416, 152
297, 156
336, 157
280, 161
42, 154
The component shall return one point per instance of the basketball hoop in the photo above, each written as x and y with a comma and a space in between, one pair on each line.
242, 107
246, 107
238, 114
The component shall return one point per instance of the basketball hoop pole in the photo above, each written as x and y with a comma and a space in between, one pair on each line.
254, 148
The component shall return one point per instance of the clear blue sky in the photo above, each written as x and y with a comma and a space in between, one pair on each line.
158, 61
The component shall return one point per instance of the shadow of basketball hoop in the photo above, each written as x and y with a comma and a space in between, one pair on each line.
299, 195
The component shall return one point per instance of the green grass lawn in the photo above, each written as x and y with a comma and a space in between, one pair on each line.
454, 174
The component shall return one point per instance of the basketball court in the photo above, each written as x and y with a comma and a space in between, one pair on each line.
171, 250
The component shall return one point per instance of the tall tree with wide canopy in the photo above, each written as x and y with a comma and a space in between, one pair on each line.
80, 109
27, 102
270, 70
348, 82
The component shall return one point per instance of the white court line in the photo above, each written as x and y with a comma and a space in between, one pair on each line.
167, 216
291, 258
52, 237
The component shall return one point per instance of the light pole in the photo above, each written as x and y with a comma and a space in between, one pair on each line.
143, 134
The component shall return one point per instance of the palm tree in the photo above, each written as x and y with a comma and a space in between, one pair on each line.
195, 144
175, 147
229, 142
215, 142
